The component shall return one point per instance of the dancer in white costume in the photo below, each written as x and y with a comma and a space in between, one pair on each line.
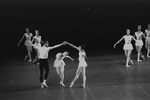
147, 40
27, 43
139, 35
37, 40
59, 65
82, 65
127, 46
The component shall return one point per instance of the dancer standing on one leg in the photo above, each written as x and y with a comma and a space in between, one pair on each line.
59, 65
82, 65
147, 40
37, 40
139, 35
27, 43
43, 64
127, 46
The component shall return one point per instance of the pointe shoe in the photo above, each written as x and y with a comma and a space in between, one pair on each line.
25, 58
34, 60
139, 60
131, 61
61, 83
83, 86
128, 66
143, 56
29, 60
44, 84
72, 83
148, 56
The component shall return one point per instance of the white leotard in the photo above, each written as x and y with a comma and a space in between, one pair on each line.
37, 40
128, 45
139, 38
59, 60
128, 39
82, 62
28, 39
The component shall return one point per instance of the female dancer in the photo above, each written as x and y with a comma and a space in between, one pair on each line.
27, 43
127, 46
147, 40
37, 39
82, 65
139, 35
43, 56
59, 65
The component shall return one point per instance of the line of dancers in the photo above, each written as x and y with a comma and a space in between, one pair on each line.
59, 64
138, 43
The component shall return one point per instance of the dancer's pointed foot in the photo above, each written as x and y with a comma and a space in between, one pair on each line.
139, 60
143, 56
72, 83
34, 60
83, 85
148, 56
29, 60
62, 84
128, 66
131, 61
44, 84
25, 58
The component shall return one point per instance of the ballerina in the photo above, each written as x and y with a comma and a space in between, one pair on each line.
27, 43
59, 65
37, 39
147, 40
81, 66
139, 35
127, 46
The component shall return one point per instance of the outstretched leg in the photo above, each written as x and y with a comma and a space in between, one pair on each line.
79, 70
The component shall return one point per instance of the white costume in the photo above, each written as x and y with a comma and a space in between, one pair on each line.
37, 41
28, 39
81, 59
147, 36
59, 61
128, 45
139, 39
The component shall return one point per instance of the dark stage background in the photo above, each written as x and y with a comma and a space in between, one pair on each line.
97, 24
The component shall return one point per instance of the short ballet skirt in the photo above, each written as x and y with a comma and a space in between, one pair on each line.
82, 63
140, 43
28, 43
128, 46
59, 63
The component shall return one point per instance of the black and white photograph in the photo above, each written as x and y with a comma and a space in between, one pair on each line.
75, 50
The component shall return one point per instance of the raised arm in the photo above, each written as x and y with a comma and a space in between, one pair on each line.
21, 39
118, 42
73, 45
68, 57
56, 46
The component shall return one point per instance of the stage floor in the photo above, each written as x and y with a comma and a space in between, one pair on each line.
107, 79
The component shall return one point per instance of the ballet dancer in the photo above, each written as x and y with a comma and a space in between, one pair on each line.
59, 65
147, 40
81, 66
127, 46
43, 63
37, 40
27, 43
139, 35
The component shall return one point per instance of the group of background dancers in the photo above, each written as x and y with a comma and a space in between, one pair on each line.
139, 35
42, 48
